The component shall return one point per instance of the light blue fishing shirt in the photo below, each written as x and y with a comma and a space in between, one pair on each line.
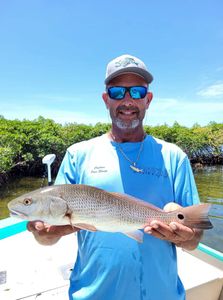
112, 266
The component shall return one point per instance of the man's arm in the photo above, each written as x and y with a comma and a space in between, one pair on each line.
48, 235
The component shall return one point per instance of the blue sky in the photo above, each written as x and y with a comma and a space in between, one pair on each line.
53, 56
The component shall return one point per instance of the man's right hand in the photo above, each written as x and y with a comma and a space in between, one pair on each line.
48, 234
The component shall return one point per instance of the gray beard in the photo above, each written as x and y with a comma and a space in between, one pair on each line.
126, 125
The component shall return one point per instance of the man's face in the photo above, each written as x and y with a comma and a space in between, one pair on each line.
127, 113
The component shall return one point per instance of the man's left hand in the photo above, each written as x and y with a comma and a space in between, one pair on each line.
175, 232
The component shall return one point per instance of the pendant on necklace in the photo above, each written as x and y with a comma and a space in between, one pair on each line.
134, 168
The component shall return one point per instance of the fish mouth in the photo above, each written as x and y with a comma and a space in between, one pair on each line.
15, 213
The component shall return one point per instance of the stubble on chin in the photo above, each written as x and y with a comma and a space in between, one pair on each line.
126, 125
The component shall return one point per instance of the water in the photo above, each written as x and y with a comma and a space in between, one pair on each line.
209, 182
16, 188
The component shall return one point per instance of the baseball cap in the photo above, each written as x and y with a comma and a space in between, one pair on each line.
127, 64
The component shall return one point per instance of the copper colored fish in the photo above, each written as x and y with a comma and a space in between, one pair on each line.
93, 209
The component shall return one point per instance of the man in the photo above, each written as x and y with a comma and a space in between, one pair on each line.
111, 266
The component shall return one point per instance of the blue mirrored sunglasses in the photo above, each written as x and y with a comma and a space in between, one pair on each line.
118, 92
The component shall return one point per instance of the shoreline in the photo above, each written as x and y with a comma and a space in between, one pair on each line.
7, 177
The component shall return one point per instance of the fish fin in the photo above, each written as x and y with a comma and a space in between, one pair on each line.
136, 235
85, 226
195, 216
68, 215
129, 198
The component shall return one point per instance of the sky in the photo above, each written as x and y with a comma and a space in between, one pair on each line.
53, 57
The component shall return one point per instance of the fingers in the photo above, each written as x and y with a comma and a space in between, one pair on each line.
160, 230
35, 226
46, 234
62, 230
41, 228
183, 232
174, 232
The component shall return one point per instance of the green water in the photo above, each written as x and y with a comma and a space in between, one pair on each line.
209, 182
16, 188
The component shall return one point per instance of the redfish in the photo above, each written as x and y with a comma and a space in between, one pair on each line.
91, 208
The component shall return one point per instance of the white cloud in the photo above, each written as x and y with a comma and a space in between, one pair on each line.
212, 90
219, 69
162, 110
166, 110
66, 115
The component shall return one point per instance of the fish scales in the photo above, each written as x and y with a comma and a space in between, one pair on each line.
91, 208
105, 208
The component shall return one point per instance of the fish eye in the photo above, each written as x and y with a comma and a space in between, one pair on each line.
180, 216
27, 201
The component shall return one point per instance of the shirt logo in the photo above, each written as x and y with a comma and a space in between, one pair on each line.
99, 169
125, 62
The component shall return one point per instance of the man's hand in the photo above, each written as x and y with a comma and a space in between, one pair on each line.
180, 235
48, 235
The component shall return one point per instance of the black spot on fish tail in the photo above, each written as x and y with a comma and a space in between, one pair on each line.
180, 216
195, 216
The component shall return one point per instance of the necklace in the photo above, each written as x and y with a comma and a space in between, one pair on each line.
133, 165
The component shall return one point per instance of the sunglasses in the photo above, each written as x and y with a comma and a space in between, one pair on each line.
118, 92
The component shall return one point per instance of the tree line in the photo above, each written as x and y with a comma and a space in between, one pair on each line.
24, 143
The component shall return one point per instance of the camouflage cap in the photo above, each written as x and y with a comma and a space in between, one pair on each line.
127, 64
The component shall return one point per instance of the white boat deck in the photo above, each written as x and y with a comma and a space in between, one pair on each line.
201, 280
34, 271
31, 271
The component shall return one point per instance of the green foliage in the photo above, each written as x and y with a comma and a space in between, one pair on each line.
25, 143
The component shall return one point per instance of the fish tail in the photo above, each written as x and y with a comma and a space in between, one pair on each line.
195, 216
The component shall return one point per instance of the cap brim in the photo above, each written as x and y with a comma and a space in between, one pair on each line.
143, 73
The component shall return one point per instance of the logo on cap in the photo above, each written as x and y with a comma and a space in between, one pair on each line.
125, 62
